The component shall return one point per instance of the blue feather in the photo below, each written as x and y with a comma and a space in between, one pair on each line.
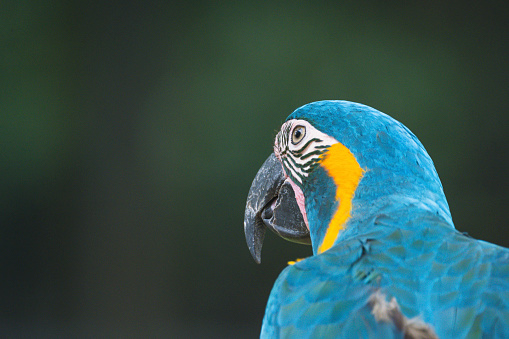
399, 250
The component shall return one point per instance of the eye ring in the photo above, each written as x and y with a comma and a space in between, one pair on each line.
298, 133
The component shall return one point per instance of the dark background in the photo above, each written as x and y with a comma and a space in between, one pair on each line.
130, 133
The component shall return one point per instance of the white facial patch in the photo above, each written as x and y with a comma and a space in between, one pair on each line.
298, 146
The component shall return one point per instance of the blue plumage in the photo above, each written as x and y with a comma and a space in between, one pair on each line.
454, 283
398, 267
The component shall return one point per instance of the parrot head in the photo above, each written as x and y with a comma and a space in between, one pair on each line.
334, 164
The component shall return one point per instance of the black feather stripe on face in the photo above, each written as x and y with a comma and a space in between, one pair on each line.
298, 163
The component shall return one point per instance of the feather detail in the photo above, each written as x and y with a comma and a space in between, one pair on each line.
346, 172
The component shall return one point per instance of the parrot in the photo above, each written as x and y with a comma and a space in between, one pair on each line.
387, 260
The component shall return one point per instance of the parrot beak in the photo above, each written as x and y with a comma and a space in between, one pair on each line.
271, 203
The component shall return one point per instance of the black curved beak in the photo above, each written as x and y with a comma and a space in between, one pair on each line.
271, 203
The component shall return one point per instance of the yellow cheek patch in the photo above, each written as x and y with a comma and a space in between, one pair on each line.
346, 172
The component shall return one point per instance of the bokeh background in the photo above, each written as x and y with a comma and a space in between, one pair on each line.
130, 133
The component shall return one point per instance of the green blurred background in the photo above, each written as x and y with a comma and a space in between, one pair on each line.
131, 131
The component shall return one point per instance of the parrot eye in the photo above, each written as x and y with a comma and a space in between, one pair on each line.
298, 134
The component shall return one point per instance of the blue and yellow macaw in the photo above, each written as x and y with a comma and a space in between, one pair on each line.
387, 260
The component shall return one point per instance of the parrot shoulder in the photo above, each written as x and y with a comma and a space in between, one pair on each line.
322, 296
